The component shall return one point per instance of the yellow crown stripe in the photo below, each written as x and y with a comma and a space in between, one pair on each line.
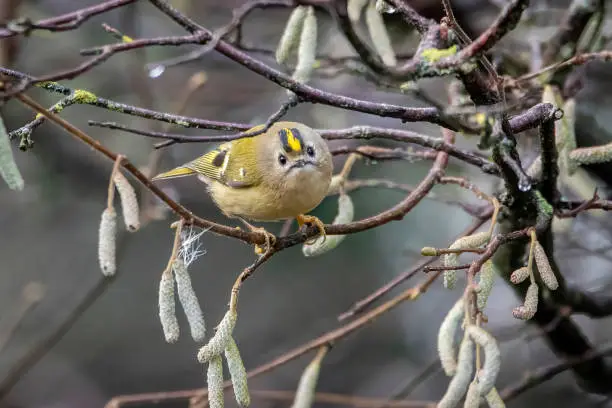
294, 141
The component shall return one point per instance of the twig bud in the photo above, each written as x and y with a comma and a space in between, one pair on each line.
494, 400
472, 398
544, 269
238, 374
289, 40
530, 305
167, 311
490, 369
107, 242
346, 212
217, 344
485, 284
429, 251
461, 380
519, 275
307, 49
189, 301
379, 35
446, 338
304, 394
214, 380
129, 202
8, 168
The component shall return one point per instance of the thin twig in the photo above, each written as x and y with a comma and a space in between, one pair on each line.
69, 21
364, 303
543, 374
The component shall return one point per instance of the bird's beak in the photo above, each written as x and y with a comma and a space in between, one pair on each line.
298, 163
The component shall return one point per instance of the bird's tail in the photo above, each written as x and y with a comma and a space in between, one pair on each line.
174, 173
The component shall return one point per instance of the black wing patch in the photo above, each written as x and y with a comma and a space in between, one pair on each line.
219, 158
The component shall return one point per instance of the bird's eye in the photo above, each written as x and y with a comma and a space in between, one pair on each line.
282, 159
310, 151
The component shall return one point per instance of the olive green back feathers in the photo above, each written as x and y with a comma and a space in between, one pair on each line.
235, 163
227, 164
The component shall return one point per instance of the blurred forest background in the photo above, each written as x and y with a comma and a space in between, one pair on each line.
50, 229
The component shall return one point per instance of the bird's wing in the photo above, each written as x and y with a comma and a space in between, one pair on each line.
229, 164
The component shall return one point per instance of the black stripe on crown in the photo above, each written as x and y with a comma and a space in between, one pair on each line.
291, 140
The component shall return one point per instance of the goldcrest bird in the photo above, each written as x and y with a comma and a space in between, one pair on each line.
280, 174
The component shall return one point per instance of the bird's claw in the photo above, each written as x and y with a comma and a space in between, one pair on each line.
311, 219
270, 239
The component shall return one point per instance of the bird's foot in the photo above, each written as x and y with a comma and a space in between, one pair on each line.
269, 237
311, 219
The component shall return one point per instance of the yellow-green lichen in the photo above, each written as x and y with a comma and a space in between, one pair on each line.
113, 106
433, 55
83, 96
45, 84
543, 205
183, 123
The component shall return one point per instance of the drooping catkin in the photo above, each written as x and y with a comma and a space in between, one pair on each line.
354, 9
446, 338
530, 306
189, 301
167, 307
107, 242
217, 344
214, 378
449, 279
129, 202
494, 400
468, 242
379, 35
461, 380
472, 398
8, 168
592, 155
238, 374
549, 95
569, 134
304, 395
544, 269
485, 284
519, 275
290, 38
490, 369
346, 212
307, 49
335, 184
